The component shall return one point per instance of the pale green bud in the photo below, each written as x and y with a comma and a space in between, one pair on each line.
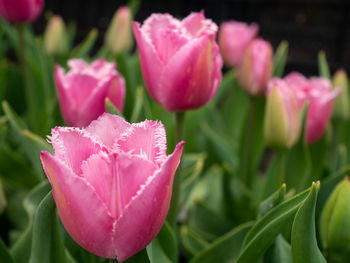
341, 104
55, 37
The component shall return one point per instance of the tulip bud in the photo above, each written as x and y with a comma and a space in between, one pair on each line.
21, 10
55, 37
180, 60
335, 222
256, 68
119, 34
282, 116
341, 104
234, 38
112, 183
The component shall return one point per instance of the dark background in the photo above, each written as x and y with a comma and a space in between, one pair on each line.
308, 26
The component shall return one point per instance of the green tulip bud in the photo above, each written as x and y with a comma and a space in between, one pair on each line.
282, 116
335, 223
55, 37
341, 104
119, 35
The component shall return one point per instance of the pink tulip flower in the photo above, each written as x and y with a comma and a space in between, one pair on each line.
180, 60
234, 38
318, 93
83, 90
112, 183
256, 68
21, 10
282, 123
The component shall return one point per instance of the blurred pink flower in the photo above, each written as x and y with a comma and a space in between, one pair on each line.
21, 10
318, 93
180, 60
83, 90
256, 68
112, 183
234, 38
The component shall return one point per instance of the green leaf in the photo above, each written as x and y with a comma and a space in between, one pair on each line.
47, 244
192, 242
304, 242
204, 220
227, 83
134, 6
111, 108
140, 257
280, 252
224, 249
85, 47
163, 248
140, 97
21, 249
264, 232
5, 255
323, 68
272, 201
280, 59
31, 143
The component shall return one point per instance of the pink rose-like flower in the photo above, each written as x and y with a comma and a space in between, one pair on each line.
83, 90
21, 10
317, 91
234, 38
256, 68
180, 60
112, 183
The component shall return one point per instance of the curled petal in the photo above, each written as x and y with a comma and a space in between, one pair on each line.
76, 200
107, 129
72, 146
144, 216
147, 139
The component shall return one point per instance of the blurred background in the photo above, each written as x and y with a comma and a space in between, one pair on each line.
308, 26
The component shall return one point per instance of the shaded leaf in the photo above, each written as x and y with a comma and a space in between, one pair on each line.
280, 59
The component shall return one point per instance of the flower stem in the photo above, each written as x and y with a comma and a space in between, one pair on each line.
174, 205
25, 70
281, 168
247, 148
112, 260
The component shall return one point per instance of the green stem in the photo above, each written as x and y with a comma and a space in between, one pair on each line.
112, 260
248, 144
179, 136
25, 70
281, 168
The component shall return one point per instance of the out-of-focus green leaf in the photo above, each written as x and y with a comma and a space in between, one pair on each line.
227, 83
111, 108
304, 242
192, 242
134, 6
22, 248
262, 235
140, 257
323, 68
5, 255
280, 252
205, 221
85, 47
140, 97
47, 243
31, 143
163, 248
225, 249
280, 59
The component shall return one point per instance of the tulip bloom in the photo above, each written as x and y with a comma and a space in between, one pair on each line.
282, 115
256, 68
234, 38
119, 34
21, 10
83, 90
112, 183
318, 93
180, 60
